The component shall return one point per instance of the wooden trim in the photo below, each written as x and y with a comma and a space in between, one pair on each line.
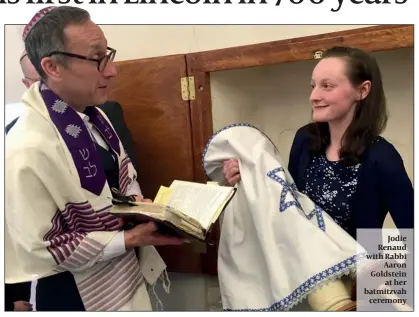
201, 125
370, 39
151, 59
159, 120
201, 115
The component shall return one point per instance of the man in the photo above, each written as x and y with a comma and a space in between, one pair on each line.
18, 295
58, 193
47, 298
30, 76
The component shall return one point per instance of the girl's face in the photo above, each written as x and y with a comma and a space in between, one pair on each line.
333, 97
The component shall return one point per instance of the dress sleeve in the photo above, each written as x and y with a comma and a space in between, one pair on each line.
395, 188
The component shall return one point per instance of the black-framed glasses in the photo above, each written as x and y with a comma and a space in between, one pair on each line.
101, 62
33, 79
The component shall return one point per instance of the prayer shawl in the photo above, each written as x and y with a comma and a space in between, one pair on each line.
58, 202
276, 246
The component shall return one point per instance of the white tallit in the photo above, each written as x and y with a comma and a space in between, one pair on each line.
57, 202
276, 245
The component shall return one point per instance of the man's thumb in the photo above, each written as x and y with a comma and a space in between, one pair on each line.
150, 227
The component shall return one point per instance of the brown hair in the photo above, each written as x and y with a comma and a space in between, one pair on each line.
370, 116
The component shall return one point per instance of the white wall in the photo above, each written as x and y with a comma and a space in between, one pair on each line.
13, 88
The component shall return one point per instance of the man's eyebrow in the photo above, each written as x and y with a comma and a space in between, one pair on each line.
94, 47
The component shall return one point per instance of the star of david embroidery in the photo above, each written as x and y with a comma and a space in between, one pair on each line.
286, 188
318, 212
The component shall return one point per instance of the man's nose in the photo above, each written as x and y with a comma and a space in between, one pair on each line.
110, 70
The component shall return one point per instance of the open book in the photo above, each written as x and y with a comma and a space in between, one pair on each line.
185, 209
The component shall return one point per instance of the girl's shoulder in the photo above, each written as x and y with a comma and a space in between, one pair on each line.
383, 153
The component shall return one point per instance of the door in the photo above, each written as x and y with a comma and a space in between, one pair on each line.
149, 91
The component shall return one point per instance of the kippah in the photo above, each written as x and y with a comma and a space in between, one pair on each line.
38, 16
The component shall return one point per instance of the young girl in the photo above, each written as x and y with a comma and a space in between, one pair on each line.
339, 160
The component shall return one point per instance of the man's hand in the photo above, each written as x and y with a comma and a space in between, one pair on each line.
144, 200
145, 234
121, 221
23, 306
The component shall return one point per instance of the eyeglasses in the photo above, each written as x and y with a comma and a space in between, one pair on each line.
101, 62
33, 79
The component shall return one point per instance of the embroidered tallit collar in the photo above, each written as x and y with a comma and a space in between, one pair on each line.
78, 140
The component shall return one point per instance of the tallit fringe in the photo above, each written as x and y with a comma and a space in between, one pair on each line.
159, 303
164, 277
166, 281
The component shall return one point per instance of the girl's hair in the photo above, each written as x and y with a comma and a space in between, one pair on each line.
370, 116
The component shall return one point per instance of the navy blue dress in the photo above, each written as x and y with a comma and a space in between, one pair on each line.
331, 184
382, 186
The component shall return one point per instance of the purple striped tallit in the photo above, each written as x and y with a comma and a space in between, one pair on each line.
113, 286
124, 179
67, 237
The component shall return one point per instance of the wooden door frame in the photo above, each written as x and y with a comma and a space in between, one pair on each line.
200, 64
162, 105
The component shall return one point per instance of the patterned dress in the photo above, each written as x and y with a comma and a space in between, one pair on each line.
330, 184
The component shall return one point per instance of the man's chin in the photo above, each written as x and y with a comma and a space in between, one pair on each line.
101, 100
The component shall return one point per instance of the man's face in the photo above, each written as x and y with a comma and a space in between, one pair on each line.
29, 72
81, 79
